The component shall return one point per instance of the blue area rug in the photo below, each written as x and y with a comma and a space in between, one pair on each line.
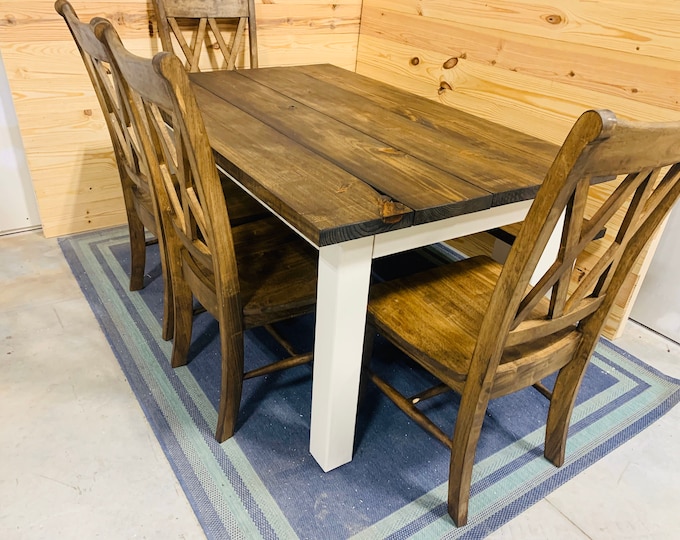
263, 483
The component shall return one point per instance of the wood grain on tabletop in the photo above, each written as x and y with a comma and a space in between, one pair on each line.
343, 206
365, 153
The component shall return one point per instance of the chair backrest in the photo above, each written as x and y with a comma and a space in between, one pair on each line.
96, 59
191, 202
647, 158
199, 19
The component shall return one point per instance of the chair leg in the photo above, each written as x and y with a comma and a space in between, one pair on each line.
137, 251
564, 395
231, 341
168, 321
464, 445
183, 317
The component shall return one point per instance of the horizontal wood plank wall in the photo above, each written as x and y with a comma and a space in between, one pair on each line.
67, 145
533, 66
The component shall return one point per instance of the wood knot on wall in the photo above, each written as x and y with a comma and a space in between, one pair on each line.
450, 63
119, 18
443, 87
553, 19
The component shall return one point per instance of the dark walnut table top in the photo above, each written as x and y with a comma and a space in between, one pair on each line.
341, 156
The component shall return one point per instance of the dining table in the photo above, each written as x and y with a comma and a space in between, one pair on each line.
361, 170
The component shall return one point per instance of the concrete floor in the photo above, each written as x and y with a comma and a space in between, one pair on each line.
78, 459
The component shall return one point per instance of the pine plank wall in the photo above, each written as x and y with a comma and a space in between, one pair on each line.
533, 66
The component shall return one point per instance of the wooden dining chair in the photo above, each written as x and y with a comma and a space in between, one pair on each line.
484, 331
140, 207
250, 275
201, 20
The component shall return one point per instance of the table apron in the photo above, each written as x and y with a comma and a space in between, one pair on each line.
426, 234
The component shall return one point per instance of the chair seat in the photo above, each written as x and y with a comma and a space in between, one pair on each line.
449, 300
277, 272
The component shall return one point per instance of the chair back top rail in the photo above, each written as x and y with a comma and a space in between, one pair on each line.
192, 9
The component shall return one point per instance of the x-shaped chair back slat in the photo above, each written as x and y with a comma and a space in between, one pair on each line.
207, 22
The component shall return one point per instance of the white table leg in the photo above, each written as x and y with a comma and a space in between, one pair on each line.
344, 277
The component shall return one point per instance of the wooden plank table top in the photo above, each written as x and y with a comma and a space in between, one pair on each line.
340, 156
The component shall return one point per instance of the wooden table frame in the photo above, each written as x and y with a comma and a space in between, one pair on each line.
346, 251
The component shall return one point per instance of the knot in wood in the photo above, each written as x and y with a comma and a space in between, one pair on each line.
391, 211
414, 61
443, 87
450, 63
553, 19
